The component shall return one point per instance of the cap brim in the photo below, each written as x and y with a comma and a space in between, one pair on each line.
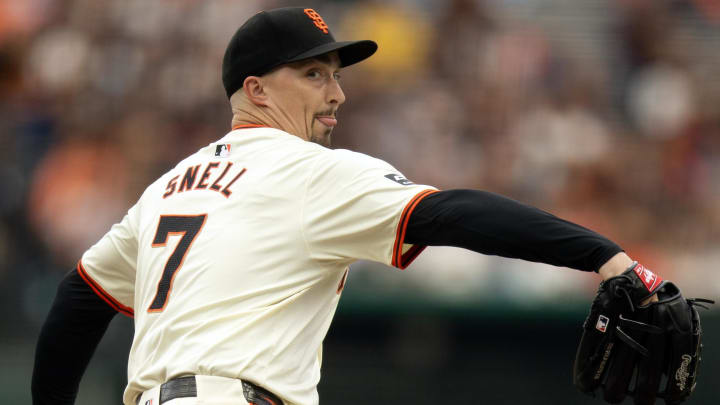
350, 52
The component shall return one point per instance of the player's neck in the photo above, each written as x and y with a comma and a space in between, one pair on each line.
245, 113
258, 119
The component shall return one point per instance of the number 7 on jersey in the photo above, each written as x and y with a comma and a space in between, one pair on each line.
187, 226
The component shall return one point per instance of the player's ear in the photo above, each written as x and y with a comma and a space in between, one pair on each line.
255, 91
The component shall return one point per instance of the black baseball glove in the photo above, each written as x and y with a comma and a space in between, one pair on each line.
645, 351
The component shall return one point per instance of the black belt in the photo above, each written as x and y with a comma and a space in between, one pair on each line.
182, 387
185, 387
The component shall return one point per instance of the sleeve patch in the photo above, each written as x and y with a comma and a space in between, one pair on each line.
399, 179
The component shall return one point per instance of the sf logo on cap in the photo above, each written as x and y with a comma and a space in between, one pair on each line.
319, 22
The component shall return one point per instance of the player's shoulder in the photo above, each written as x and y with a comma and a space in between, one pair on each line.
344, 159
341, 166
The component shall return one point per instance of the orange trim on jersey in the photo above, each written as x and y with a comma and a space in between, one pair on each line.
104, 295
341, 285
399, 259
249, 126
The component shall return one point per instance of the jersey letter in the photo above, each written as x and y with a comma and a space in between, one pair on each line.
202, 183
170, 187
215, 186
226, 191
189, 178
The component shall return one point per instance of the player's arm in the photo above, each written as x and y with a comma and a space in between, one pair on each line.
495, 225
76, 323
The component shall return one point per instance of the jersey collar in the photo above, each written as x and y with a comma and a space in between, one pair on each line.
249, 126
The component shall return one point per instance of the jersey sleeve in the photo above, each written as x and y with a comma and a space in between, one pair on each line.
109, 266
357, 208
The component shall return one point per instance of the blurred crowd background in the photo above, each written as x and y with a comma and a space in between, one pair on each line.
604, 112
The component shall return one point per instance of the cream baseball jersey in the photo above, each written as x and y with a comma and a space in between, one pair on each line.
233, 262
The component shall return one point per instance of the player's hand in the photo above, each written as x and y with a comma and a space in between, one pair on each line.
617, 265
639, 328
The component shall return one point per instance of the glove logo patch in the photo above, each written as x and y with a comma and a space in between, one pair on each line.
602, 323
682, 374
650, 279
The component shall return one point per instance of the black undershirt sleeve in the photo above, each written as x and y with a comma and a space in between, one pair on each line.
76, 323
495, 225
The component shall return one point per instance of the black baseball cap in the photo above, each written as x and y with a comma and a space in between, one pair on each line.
275, 37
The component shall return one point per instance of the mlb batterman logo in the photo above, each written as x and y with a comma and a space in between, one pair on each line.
602, 323
222, 150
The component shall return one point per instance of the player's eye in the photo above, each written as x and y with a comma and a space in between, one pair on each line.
336, 76
314, 74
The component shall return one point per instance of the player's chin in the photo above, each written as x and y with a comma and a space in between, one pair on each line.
322, 136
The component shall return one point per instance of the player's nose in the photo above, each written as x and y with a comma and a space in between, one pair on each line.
335, 95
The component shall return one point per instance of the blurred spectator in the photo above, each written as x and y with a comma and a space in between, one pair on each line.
461, 31
78, 191
661, 100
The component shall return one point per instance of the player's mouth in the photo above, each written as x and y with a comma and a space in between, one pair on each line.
327, 120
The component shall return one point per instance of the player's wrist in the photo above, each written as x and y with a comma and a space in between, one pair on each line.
617, 265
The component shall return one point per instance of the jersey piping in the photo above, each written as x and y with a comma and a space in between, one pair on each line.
402, 260
104, 295
249, 126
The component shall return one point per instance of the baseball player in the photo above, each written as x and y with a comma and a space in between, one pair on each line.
233, 262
